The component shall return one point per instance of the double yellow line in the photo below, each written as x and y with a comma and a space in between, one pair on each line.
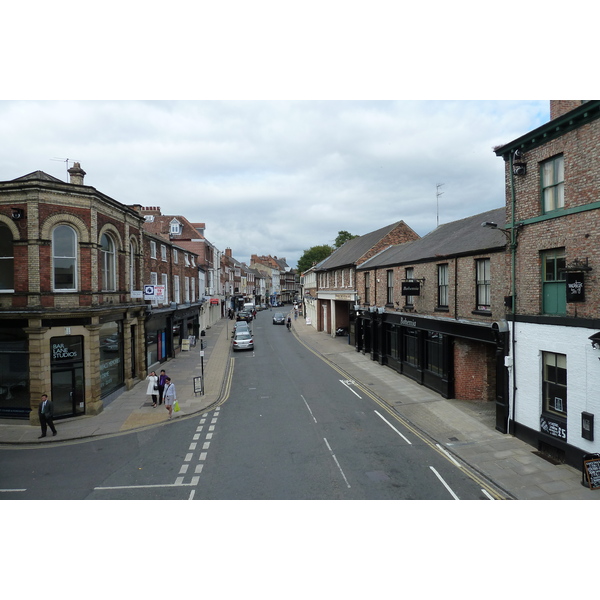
496, 494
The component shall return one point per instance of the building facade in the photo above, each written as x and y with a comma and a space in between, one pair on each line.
433, 310
70, 326
553, 217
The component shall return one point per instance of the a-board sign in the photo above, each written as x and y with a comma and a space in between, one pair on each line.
592, 472
197, 385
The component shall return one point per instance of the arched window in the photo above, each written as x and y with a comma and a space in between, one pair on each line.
64, 257
7, 259
107, 263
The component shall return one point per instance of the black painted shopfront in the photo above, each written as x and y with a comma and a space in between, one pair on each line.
423, 349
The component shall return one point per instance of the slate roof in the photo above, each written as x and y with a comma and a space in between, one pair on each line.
353, 250
465, 236
39, 176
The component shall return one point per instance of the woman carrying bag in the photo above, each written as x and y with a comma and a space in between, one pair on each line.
152, 390
169, 396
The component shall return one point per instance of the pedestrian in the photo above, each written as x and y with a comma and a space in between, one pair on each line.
46, 414
152, 390
161, 386
169, 395
289, 323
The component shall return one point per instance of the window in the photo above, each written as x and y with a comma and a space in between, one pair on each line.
175, 227
390, 287
555, 383
163, 253
107, 263
176, 297
165, 282
186, 291
64, 257
154, 281
409, 274
553, 186
554, 286
443, 286
175, 256
193, 293
152, 249
132, 267
434, 352
367, 288
187, 263
7, 259
483, 284
411, 347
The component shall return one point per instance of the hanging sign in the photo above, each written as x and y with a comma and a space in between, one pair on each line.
411, 288
575, 287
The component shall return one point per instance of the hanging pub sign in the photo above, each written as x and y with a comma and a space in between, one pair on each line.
575, 287
411, 288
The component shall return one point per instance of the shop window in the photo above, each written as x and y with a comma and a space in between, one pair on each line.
411, 347
483, 284
64, 258
553, 184
443, 286
554, 285
7, 259
434, 352
111, 357
555, 384
108, 263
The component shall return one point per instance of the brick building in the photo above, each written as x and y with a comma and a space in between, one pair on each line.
70, 257
433, 309
552, 204
336, 276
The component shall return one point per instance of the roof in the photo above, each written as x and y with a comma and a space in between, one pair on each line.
465, 236
353, 250
39, 176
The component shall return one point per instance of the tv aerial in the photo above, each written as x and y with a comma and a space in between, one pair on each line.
66, 161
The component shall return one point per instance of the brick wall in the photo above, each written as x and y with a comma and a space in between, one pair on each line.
474, 371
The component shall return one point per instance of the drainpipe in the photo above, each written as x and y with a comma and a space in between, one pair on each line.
513, 275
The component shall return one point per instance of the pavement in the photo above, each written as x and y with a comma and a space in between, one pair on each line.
463, 430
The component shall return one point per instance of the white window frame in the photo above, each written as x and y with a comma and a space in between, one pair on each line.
73, 260
152, 249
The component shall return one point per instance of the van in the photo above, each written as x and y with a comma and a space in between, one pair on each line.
249, 307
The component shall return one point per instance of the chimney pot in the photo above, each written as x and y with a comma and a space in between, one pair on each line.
77, 174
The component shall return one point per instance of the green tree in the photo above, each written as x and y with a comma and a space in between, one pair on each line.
312, 256
342, 238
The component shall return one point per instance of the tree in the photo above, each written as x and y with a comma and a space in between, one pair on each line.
342, 238
312, 256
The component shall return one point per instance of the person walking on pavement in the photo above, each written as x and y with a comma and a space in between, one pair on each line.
152, 390
46, 414
169, 395
161, 386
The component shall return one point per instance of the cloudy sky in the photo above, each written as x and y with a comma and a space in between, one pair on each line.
276, 128
276, 177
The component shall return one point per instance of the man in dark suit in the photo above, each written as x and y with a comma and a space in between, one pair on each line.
161, 385
46, 414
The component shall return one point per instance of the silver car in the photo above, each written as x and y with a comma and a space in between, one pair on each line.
243, 341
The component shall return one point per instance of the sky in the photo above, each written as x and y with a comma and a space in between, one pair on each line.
277, 177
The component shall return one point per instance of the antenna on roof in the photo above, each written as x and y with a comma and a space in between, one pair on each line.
66, 161
437, 195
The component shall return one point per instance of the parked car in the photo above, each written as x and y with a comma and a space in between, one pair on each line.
244, 316
240, 326
243, 341
278, 319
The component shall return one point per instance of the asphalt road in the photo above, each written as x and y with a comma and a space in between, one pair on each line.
291, 428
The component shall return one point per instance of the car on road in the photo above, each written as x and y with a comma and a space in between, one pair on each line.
243, 341
240, 326
278, 319
244, 315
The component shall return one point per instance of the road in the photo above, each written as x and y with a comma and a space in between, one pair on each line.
291, 428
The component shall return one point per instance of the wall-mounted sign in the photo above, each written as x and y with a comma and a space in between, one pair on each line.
154, 292
575, 287
553, 427
411, 288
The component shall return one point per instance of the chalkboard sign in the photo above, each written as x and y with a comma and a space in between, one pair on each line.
592, 472
197, 385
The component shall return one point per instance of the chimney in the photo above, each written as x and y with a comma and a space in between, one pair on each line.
77, 174
228, 252
560, 107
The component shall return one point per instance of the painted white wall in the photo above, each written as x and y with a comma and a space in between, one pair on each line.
583, 377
